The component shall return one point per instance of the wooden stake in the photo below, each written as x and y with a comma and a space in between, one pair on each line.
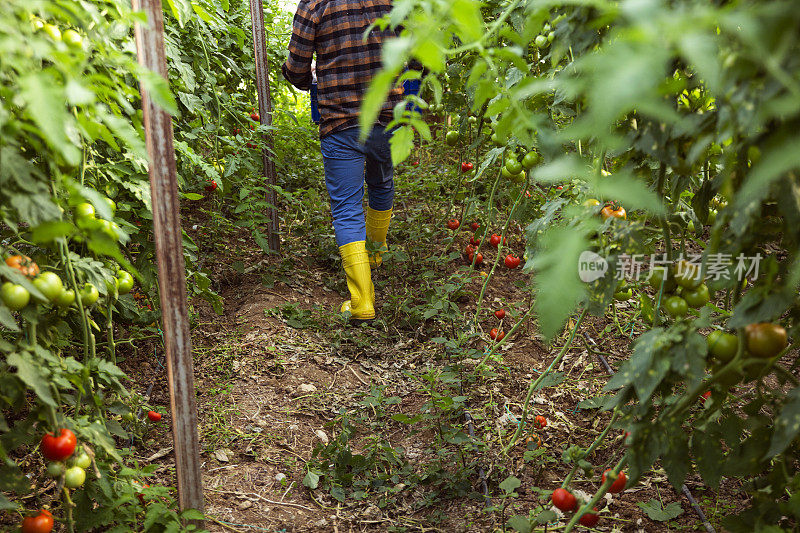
265, 113
171, 267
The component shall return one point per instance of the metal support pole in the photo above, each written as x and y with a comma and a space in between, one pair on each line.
265, 112
171, 267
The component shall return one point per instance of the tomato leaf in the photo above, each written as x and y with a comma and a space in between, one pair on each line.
510, 484
401, 143
311, 480
656, 512
33, 375
520, 523
787, 424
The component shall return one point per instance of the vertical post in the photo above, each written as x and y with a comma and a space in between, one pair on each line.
171, 267
265, 112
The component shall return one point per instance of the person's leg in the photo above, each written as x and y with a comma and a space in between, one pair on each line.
379, 175
343, 158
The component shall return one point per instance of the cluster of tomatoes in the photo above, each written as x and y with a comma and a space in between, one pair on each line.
69, 37
58, 448
683, 288
566, 502
510, 261
16, 297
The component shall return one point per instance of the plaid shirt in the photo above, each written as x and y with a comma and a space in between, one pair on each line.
345, 62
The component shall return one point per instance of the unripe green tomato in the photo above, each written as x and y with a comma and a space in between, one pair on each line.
55, 469
722, 346
74, 477
530, 160
452, 138
16, 297
497, 141
541, 41
550, 37
50, 285
124, 282
53, 32
84, 210
89, 294
676, 307
37, 25
513, 166
472, 120
112, 205
73, 38
82, 460
66, 298
697, 297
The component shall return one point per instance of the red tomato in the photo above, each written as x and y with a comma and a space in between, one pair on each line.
453, 224
415, 163
500, 313
474, 241
58, 448
468, 251
39, 523
589, 519
154, 416
141, 495
540, 421
495, 240
564, 500
212, 186
478, 258
705, 396
466, 167
619, 483
475, 226
255, 116
511, 261
496, 335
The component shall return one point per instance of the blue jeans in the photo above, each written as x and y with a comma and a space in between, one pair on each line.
348, 164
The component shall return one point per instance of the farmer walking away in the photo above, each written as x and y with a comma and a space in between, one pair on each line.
345, 64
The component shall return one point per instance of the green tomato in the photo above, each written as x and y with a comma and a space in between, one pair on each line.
722, 346
712, 217
53, 32
656, 278
50, 285
541, 41
513, 166
112, 205
676, 307
497, 140
110, 228
697, 297
55, 469
452, 138
550, 37
74, 477
89, 294
687, 274
81, 460
14, 296
506, 174
73, 38
472, 120
530, 160
84, 210
66, 298
124, 282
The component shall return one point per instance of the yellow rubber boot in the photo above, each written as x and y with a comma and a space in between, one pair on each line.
355, 261
377, 228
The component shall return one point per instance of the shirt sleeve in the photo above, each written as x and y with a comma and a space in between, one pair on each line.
297, 69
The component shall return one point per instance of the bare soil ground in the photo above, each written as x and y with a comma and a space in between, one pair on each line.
269, 389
